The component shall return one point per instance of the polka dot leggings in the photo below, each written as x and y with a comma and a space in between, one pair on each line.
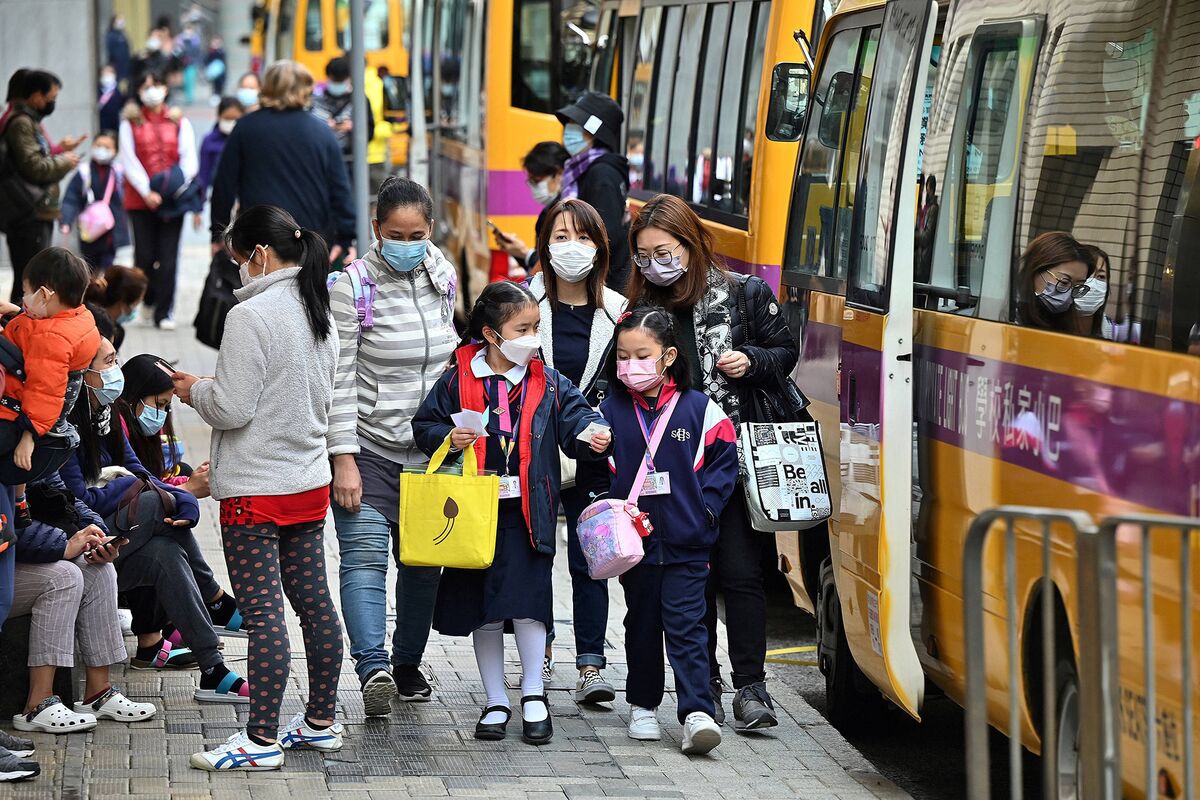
255, 554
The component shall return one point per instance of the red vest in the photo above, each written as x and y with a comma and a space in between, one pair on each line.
472, 394
156, 145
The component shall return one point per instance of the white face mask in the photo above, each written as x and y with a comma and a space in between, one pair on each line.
153, 96
520, 350
102, 155
542, 193
225, 126
244, 271
1093, 301
572, 261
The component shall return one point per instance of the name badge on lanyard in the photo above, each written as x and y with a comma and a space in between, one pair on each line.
509, 423
510, 487
656, 483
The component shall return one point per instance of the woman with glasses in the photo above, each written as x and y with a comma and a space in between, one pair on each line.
1054, 274
728, 351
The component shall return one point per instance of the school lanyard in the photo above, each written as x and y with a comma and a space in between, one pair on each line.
508, 424
647, 432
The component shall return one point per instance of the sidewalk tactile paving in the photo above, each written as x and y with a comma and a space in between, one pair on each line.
425, 749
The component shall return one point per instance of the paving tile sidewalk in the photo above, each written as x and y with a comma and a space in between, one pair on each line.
427, 750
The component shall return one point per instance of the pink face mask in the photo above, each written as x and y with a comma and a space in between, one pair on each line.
640, 374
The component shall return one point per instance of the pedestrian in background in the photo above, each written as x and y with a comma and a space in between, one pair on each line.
728, 351
116, 48
110, 100
333, 104
284, 156
543, 174
215, 68
248, 90
119, 293
596, 174
387, 364
31, 223
187, 44
229, 111
157, 149
269, 409
96, 181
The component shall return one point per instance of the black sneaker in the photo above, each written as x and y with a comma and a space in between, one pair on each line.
717, 687
411, 684
752, 707
378, 690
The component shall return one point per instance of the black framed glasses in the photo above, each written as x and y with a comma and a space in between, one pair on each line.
1063, 283
662, 256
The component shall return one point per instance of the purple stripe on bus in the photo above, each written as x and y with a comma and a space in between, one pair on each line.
508, 194
771, 273
1114, 440
1120, 442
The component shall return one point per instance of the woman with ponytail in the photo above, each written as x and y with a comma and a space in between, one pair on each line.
269, 409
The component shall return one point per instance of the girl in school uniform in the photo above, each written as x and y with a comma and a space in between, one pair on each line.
530, 413
690, 478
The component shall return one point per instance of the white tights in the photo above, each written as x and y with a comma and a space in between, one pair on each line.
489, 655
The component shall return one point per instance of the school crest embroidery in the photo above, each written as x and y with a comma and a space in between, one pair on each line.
681, 434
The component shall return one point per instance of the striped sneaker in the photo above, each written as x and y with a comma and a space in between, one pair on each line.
240, 752
299, 734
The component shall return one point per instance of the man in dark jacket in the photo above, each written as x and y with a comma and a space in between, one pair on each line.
281, 155
30, 156
596, 174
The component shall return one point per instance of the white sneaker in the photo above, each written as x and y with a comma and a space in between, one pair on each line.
125, 617
700, 734
146, 317
167, 324
298, 734
239, 752
643, 725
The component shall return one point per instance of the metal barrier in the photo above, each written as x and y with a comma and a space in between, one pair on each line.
1096, 613
1097, 637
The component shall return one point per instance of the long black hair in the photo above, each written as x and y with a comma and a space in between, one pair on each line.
86, 421
144, 378
273, 227
659, 323
496, 305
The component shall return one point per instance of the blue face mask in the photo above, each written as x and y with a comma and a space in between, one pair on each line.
128, 317
403, 256
574, 139
152, 419
113, 384
337, 89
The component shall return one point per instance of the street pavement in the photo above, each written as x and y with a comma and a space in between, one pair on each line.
427, 750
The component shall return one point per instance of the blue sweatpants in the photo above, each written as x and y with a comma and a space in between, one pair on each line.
667, 602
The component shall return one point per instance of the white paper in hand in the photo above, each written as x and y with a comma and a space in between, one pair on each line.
591, 430
472, 420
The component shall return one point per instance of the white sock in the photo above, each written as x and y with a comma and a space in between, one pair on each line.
489, 656
531, 644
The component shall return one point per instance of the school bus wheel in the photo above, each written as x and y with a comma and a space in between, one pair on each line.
852, 702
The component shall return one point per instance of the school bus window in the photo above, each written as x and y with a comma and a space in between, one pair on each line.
659, 130
639, 96
750, 91
579, 25
676, 178
812, 224
314, 27
532, 56
427, 40
974, 238
789, 98
375, 24
606, 48
706, 119
453, 20
729, 134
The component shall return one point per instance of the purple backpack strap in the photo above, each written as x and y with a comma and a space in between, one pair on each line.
364, 293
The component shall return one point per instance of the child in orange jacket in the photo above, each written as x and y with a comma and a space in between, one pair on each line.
58, 339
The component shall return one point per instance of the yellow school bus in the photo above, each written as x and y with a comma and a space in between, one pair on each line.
313, 32
938, 401
714, 95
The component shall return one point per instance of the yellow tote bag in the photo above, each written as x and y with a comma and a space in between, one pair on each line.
448, 520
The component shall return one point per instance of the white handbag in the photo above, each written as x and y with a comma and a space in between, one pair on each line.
785, 483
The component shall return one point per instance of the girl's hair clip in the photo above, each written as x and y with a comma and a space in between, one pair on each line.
624, 316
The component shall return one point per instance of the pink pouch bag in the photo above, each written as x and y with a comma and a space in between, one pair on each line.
611, 531
97, 219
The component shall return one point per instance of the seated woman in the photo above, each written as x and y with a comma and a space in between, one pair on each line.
68, 583
1054, 274
145, 410
119, 293
164, 555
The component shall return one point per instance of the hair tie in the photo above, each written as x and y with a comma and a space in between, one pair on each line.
297, 233
624, 317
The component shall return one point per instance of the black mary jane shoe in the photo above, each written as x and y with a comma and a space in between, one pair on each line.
536, 732
493, 733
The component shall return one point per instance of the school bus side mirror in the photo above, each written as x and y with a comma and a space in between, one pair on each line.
395, 96
789, 102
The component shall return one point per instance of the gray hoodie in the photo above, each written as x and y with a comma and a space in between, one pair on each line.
270, 400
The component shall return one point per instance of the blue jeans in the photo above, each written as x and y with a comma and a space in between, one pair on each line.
589, 598
365, 539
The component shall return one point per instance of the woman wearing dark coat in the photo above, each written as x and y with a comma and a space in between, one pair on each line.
116, 48
730, 352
